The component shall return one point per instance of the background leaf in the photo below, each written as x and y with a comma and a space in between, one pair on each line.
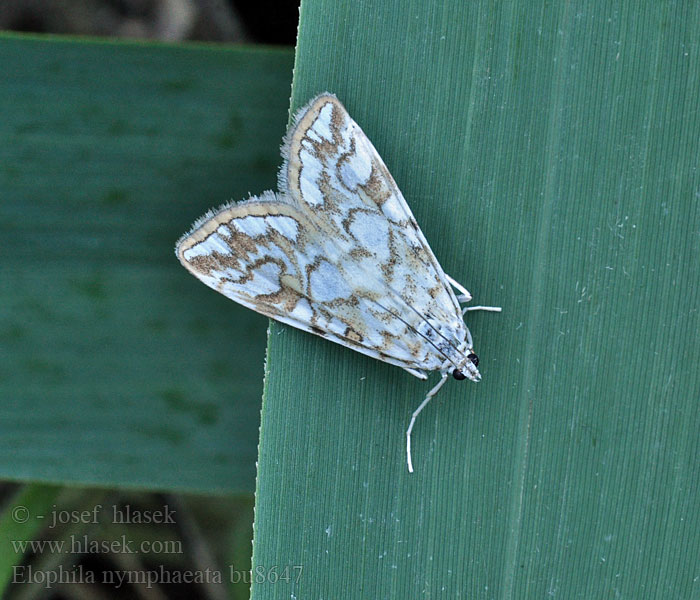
550, 153
116, 367
19, 524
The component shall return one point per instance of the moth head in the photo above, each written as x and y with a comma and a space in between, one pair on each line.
468, 369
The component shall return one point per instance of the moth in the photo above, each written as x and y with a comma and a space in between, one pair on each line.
337, 252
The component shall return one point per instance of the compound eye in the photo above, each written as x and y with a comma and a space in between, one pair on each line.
474, 358
458, 375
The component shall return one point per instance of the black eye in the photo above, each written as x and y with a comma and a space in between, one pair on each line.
474, 358
458, 375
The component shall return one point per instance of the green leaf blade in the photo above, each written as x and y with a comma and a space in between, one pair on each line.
549, 154
116, 367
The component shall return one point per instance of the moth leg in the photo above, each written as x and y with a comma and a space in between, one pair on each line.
416, 412
465, 296
488, 308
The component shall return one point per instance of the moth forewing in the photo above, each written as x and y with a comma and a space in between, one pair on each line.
337, 253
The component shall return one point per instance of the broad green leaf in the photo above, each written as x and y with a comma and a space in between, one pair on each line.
116, 367
550, 153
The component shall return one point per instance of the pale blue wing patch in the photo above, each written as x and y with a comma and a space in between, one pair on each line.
265, 255
333, 172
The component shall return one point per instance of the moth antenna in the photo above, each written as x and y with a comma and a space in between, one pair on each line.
416, 412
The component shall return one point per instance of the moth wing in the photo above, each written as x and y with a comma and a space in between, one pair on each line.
266, 255
334, 173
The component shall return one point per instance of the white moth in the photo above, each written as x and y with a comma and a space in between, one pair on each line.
337, 252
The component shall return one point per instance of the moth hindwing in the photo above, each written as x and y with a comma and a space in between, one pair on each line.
337, 252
